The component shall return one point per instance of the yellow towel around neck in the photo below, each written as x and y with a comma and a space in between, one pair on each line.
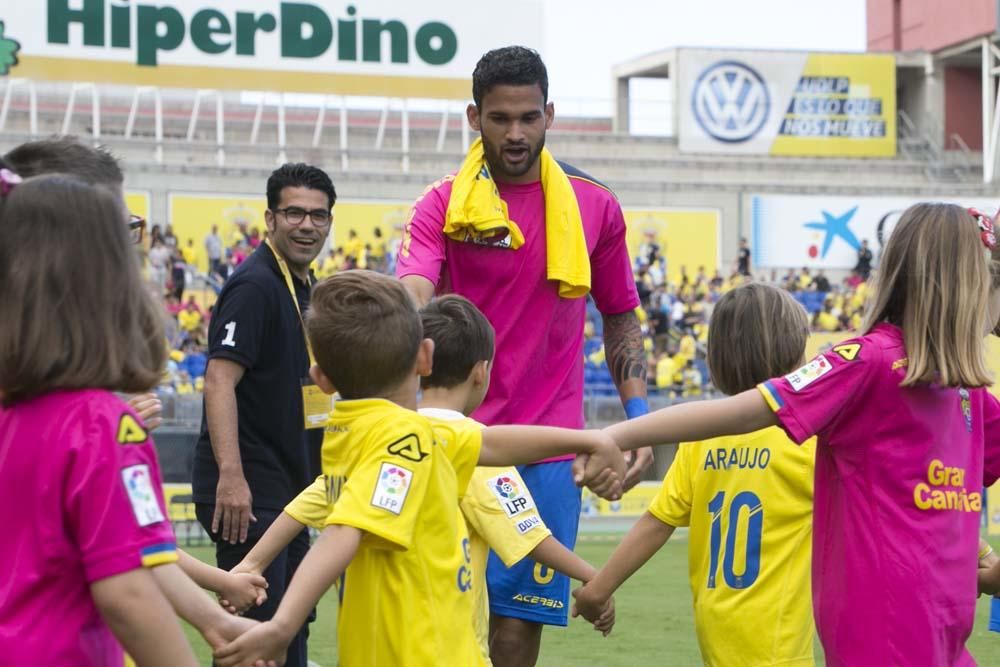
477, 213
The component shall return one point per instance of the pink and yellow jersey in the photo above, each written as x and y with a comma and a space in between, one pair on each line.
81, 498
898, 497
539, 361
748, 500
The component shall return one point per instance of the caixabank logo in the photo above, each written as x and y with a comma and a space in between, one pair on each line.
730, 101
8, 51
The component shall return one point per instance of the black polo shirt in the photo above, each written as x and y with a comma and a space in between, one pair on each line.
255, 324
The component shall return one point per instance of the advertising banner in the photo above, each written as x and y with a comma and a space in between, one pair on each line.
688, 237
367, 47
787, 103
820, 231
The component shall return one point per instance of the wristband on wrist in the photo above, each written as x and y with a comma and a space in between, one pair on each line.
636, 407
985, 551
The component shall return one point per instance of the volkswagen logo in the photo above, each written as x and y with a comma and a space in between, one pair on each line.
730, 101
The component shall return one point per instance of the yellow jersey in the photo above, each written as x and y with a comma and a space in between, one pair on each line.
748, 500
406, 596
499, 512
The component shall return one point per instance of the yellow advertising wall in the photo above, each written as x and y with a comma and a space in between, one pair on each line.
872, 97
687, 237
138, 203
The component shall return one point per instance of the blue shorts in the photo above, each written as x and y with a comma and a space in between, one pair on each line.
530, 591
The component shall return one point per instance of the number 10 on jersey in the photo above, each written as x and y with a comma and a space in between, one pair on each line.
754, 524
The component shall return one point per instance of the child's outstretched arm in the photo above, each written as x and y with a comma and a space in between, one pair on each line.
194, 606
309, 508
322, 566
139, 616
602, 469
645, 538
695, 421
237, 591
551, 553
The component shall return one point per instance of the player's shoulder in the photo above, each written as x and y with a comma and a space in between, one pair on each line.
585, 183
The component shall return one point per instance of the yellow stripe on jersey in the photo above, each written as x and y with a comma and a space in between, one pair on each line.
770, 395
159, 554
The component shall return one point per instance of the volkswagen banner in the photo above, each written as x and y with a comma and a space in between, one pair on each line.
826, 231
787, 103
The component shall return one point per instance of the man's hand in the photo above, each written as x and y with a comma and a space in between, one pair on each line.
232, 508
637, 462
149, 408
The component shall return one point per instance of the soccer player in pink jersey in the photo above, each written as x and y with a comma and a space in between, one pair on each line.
508, 275
902, 419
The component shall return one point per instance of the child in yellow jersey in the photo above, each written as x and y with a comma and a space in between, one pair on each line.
747, 499
497, 507
393, 528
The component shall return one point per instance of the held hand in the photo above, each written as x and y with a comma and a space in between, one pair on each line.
263, 643
588, 605
242, 591
149, 408
637, 462
603, 469
606, 622
232, 508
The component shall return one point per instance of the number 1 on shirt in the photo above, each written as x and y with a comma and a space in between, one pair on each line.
755, 524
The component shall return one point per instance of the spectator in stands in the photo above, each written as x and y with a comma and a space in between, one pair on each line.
195, 361
820, 282
354, 250
189, 254
864, 266
190, 319
262, 427
254, 240
170, 238
159, 263
536, 311
178, 274
155, 234
213, 249
379, 248
743, 259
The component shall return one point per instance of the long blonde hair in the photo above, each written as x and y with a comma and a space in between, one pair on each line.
933, 282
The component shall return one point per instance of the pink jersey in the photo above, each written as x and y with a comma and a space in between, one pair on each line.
538, 373
898, 498
80, 501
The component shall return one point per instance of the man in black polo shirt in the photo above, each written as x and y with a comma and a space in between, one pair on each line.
261, 432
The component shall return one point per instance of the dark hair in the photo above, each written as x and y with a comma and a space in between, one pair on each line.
462, 338
298, 175
509, 66
66, 155
74, 308
757, 332
365, 332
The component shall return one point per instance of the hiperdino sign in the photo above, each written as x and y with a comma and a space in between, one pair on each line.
378, 47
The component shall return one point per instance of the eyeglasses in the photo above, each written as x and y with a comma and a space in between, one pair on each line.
136, 227
294, 215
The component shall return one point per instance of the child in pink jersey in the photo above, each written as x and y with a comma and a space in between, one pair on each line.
80, 496
902, 417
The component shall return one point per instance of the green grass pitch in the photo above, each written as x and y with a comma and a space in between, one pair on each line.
654, 620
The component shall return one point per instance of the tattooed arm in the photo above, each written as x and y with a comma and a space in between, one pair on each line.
627, 361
